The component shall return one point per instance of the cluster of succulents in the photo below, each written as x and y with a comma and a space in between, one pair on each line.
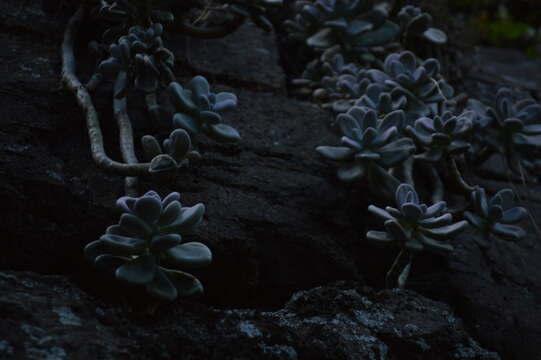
443, 135
148, 247
496, 216
510, 128
322, 76
138, 58
389, 102
362, 30
148, 241
413, 227
198, 109
369, 144
420, 82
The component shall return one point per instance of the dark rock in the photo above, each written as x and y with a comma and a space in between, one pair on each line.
247, 57
49, 317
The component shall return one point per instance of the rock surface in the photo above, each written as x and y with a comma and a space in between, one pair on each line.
277, 221
335, 321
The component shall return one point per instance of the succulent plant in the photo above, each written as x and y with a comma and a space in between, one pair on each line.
175, 154
512, 129
377, 98
357, 26
417, 24
256, 10
198, 109
147, 240
414, 226
321, 79
442, 135
139, 57
420, 82
368, 142
496, 215
123, 13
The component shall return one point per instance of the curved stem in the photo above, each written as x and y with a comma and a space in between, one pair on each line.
457, 177
408, 170
392, 269
216, 31
439, 189
84, 100
127, 149
390, 182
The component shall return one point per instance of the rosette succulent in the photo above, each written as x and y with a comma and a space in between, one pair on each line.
167, 159
377, 98
148, 240
497, 215
442, 135
414, 226
369, 143
198, 109
139, 57
416, 24
321, 78
356, 26
421, 83
512, 129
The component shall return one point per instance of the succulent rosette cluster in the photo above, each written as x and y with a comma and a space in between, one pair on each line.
510, 128
368, 143
140, 60
148, 241
419, 82
359, 28
442, 135
414, 226
497, 216
198, 109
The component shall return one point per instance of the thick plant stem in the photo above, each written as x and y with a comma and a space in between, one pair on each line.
457, 177
389, 181
152, 103
408, 170
84, 100
127, 148
439, 189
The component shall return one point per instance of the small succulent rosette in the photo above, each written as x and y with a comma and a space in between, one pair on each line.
414, 226
513, 129
198, 110
420, 82
496, 216
168, 158
321, 80
442, 135
146, 248
368, 143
